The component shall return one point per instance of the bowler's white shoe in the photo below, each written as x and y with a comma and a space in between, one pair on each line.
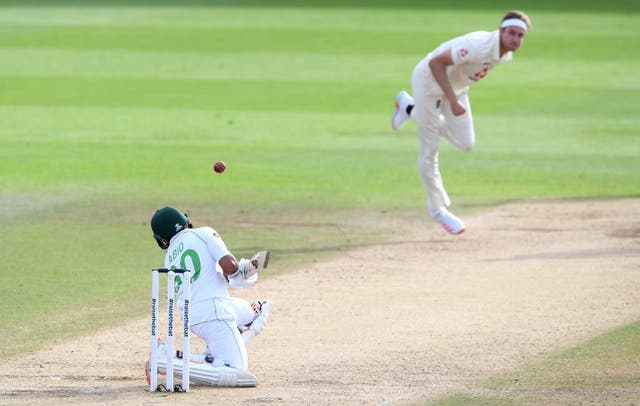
400, 115
448, 220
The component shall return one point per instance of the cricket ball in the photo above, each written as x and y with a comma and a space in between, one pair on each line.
219, 167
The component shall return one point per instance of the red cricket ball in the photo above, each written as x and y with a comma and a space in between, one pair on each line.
219, 167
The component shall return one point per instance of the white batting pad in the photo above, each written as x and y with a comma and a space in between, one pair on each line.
204, 373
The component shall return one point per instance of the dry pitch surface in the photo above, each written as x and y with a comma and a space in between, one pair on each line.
407, 320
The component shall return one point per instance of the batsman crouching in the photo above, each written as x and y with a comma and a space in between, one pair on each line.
225, 323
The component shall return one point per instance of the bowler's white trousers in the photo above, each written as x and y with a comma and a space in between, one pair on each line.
434, 119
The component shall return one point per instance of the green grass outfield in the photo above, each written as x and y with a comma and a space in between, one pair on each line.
111, 110
601, 371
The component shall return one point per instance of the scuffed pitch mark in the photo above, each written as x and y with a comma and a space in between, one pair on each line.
578, 254
264, 400
83, 378
626, 233
60, 392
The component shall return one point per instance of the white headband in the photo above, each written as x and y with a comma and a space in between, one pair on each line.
514, 21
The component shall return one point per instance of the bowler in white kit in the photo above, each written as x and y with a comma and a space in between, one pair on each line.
440, 103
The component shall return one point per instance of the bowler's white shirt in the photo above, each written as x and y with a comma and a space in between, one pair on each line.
473, 54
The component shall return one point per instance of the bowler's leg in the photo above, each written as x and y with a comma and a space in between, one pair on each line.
426, 114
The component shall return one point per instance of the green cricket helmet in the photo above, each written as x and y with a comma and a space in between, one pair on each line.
167, 222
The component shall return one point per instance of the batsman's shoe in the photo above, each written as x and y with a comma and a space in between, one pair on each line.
261, 309
449, 221
146, 372
400, 115
161, 354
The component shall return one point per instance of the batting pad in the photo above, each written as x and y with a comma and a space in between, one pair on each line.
203, 372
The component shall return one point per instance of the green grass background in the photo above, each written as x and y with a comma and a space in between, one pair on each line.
112, 109
600, 371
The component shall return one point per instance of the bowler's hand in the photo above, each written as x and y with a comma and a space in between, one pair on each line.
457, 109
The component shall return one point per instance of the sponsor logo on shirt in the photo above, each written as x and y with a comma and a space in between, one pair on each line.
462, 52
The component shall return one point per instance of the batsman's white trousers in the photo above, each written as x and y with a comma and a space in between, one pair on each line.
434, 119
221, 333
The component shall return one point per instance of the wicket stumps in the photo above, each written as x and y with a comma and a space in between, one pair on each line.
153, 360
